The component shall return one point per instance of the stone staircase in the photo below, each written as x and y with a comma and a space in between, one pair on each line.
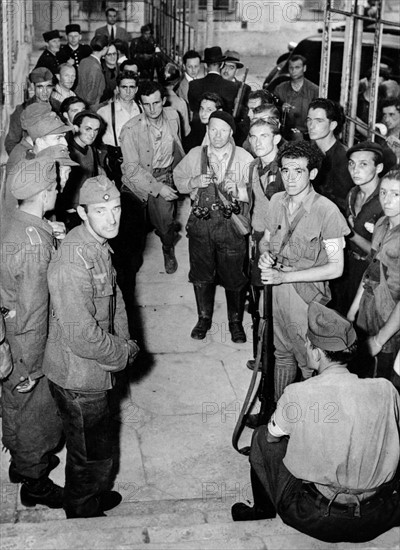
163, 525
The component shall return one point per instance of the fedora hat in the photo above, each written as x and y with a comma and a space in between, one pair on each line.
233, 57
213, 55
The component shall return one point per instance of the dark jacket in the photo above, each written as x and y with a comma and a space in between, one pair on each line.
213, 82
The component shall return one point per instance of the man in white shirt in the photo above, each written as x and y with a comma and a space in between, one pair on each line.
191, 63
112, 30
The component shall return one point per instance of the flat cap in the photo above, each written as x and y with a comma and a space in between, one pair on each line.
366, 146
59, 153
385, 154
41, 74
33, 113
50, 35
328, 330
50, 123
226, 117
231, 56
33, 176
72, 28
97, 190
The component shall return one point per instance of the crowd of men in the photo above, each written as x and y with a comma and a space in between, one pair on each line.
101, 153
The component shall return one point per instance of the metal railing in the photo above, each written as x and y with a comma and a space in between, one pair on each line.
172, 32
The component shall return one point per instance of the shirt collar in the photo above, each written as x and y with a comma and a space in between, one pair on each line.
307, 201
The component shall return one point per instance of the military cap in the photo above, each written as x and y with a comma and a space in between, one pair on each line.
41, 74
72, 28
33, 176
97, 190
50, 123
33, 113
50, 35
226, 117
59, 153
231, 56
328, 330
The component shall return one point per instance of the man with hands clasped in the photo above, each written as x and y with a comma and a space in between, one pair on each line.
302, 249
216, 177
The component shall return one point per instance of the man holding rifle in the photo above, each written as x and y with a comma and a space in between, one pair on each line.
302, 249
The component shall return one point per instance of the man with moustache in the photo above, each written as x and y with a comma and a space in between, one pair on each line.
79, 363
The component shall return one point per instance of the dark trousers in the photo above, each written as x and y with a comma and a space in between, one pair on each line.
86, 422
308, 512
32, 428
161, 215
216, 252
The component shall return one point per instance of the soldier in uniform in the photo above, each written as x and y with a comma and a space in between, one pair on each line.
49, 57
73, 52
31, 427
79, 364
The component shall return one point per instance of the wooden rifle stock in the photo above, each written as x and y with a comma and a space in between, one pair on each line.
239, 96
264, 363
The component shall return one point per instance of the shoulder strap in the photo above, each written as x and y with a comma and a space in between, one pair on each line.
113, 122
294, 223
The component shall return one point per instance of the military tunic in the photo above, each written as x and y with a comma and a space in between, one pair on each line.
31, 426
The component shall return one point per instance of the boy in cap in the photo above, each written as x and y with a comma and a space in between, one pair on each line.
363, 210
31, 426
49, 57
91, 81
215, 176
43, 81
80, 366
73, 52
328, 460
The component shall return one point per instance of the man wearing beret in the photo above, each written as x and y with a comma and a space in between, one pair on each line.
73, 52
216, 178
328, 461
49, 57
31, 425
43, 81
212, 82
88, 342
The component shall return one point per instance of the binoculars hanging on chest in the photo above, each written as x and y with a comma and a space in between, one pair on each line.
203, 212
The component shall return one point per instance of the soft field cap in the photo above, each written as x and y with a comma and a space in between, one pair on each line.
97, 190
328, 330
33, 176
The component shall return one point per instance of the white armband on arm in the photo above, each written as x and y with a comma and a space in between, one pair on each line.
333, 245
274, 429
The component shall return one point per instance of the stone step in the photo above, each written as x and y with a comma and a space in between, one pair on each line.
196, 524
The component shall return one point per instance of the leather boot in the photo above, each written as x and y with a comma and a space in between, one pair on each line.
170, 262
205, 306
235, 302
263, 507
41, 491
16, 477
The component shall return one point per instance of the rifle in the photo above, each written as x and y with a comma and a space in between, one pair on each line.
264, 364
239, 96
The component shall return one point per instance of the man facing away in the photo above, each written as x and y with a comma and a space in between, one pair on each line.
328, 461
31, 426
88, 341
